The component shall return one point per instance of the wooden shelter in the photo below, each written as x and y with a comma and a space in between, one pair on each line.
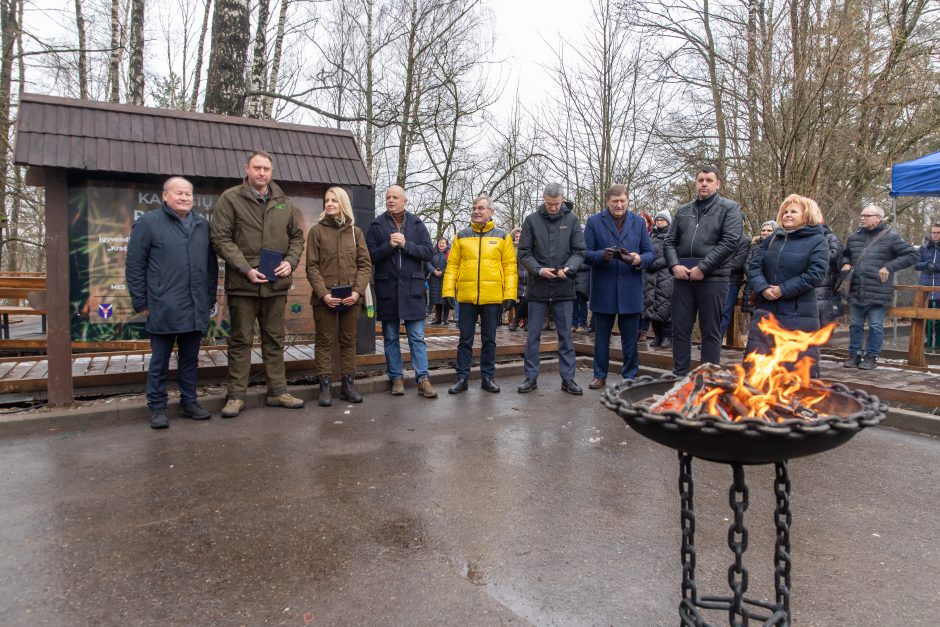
103, 164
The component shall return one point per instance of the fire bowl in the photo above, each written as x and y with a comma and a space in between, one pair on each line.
748, 441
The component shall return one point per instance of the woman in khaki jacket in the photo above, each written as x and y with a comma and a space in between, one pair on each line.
338, 268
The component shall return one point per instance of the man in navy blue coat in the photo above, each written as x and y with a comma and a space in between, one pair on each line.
618, 250
399, 245
172, 274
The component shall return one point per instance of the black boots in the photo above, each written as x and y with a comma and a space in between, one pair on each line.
326, 397
348, 390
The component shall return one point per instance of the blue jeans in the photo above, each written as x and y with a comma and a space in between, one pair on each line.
561, 312
733, 290
629, 325
489, 315
161, 347
419, 350
580, 312
875, 315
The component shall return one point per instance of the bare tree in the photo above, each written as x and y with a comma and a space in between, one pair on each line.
114, 67
267, 101
200, 52
258, 79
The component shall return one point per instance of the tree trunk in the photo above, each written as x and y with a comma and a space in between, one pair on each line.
82, 54
9, 33
135, 78
225, 85
114, 65
405, 127
258, 79
268, 102
370, 87
200, 53
716, 88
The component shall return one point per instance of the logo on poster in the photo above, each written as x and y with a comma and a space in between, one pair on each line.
105, 310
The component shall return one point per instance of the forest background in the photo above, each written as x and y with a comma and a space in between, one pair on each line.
817, 97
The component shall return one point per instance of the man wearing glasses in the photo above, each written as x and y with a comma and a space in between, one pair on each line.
876, 252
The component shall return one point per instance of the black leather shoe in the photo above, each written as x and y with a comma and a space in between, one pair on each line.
348, 391
458, 387
569, 386
528, 385
489, 385
194, 412
159, 420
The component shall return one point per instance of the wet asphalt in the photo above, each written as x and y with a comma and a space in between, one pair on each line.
478, 509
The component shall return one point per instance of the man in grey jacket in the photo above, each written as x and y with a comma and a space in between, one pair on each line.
551, 248
876, 252
699, 247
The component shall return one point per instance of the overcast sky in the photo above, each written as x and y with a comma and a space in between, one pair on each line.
526, 32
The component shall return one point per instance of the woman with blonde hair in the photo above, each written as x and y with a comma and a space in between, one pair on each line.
786, 268
339, 269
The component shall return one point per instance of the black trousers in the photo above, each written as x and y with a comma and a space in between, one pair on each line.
161, 348
704, 300
488, 315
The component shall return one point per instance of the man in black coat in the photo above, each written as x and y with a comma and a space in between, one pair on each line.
551, 248
172, 274
876, 252
702, 240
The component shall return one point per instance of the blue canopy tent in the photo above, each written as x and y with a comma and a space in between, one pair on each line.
920, 177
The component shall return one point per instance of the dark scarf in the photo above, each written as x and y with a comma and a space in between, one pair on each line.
619, 222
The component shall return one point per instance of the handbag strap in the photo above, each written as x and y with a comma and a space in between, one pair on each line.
870, 244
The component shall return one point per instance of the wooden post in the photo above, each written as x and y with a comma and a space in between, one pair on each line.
915, 347
59, 336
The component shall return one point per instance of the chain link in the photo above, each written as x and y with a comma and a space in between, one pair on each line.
782, 519
737, 542
687, 521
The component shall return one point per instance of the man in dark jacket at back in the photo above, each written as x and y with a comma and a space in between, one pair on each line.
400, 245
876, 252
172, 275
551, 248
702, 240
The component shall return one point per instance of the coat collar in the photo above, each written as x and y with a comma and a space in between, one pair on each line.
483, 228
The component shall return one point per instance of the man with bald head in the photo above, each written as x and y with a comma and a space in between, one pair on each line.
172, 275
400, 244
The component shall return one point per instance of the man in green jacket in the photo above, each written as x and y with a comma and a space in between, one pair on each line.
247, 219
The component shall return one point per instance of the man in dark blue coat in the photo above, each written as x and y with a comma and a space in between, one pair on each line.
618, 250
172, 274
929, 266
400, 245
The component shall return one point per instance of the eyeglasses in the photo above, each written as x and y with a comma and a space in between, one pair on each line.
870, 215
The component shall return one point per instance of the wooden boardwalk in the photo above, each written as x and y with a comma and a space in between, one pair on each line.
110, 371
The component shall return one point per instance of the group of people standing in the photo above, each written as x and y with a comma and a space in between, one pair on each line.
684, 269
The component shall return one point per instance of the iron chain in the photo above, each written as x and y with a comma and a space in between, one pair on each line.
687, 522
782, 519
737, 542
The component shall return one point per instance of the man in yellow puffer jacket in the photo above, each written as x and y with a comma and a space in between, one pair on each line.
481, 274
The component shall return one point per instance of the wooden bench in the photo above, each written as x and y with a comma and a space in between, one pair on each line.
7, 310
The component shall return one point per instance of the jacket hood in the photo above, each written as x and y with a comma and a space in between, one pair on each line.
566, 207
803, 231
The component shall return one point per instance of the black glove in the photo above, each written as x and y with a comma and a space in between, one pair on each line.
508, 304
449, 302
625, 255
609, 254
930, 268
571, 273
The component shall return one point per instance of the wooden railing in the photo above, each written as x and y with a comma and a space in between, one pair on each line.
919, 314
20, 286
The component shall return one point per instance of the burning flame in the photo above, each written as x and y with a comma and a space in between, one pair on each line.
767, 381
773, 387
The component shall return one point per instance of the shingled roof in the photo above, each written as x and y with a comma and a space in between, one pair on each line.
104, 137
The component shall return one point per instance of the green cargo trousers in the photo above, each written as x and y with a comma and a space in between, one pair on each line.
269, 312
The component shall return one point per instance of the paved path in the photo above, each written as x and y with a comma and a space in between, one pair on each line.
472, 510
